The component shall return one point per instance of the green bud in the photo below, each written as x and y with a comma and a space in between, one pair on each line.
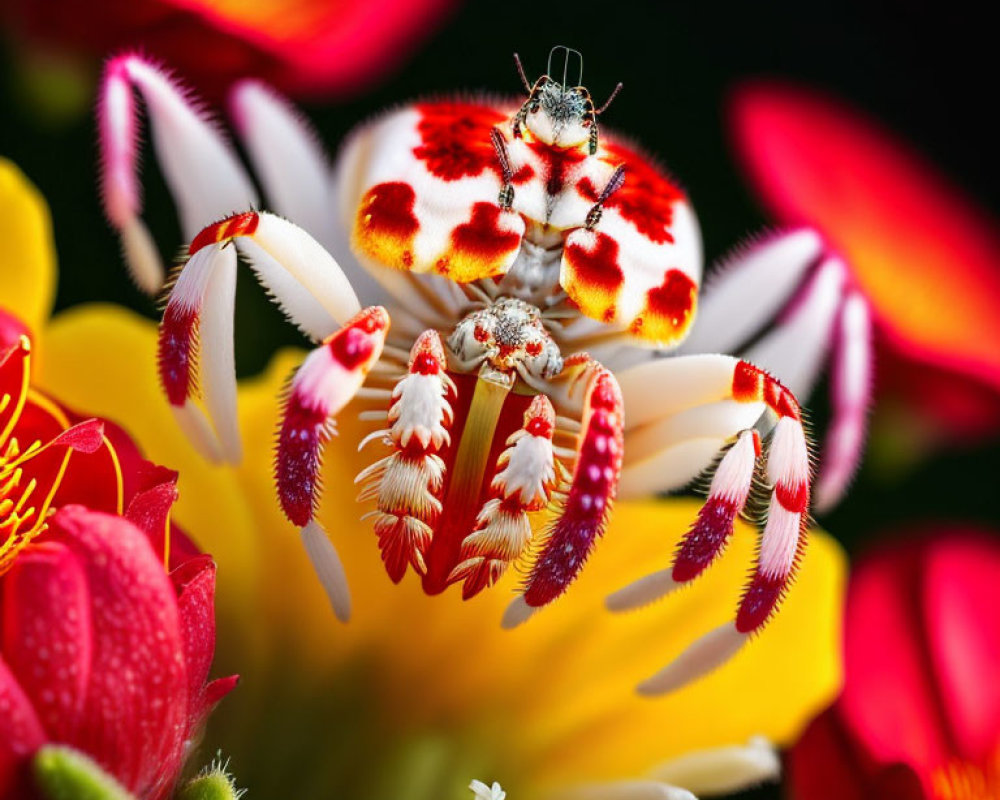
214, 783
62, 773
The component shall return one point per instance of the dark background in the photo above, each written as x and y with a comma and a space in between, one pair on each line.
928, 74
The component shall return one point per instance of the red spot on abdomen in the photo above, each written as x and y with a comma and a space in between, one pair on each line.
482, 247
176, 353
240, 225
386, 224
387, 210
455, 139
596, 269
646, 198
592, 276
669, 308
482, 235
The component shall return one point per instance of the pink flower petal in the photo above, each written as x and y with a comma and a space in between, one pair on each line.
962, 607
925, 256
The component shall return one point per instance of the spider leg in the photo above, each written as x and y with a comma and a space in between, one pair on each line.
201, 168
583, 512
326, 381
523, 482
303, 278
786, 465
406, 485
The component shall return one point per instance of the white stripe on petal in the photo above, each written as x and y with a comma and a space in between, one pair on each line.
218, 364
329, 569
656, 389
307, 262
719, 420
623, 790
287, 157
672, 468
749, 288
709, 652
851, 394
723, 770
795, 349
642, 592
517, 613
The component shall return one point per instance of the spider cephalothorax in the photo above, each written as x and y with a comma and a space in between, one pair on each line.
537, 279
510, 335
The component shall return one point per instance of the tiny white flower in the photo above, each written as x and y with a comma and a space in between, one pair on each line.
484, 792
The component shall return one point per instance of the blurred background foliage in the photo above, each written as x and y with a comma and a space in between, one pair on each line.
929, 75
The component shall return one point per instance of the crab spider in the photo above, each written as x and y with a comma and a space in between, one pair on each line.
540, 280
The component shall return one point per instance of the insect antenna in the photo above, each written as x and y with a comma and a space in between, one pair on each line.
520, 72
613, 185
568, 53
607, 102
507, 192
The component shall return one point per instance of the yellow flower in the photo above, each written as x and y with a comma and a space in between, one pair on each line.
419, 694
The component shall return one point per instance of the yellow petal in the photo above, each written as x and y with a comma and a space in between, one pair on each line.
27, 252
557, 695
552, 702
101, 360
787, 673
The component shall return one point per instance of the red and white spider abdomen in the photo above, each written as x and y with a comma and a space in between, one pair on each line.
448, 188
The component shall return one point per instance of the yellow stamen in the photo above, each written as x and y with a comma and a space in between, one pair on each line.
474, 448
19, 522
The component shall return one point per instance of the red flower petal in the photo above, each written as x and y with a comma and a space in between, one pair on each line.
962, 612
14, 371
928, 260
11, 330
194, 582
47, 634
134, 719
824, 765
149, 511
304, 46
889, 702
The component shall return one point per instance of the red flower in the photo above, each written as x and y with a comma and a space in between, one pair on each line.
101, 647
304, 47
920, 713
925, 257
